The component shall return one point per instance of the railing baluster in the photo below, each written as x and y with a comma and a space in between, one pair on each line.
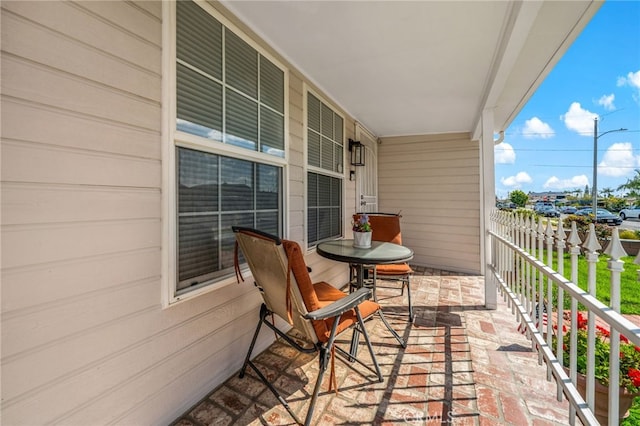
560, 245
540, 305
528, 267
521, 264
514, 257
591, 245
615, 265
532, 307
574, 242
549, 304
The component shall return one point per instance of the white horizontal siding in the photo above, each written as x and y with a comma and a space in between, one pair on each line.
84, 338
52, 126
434, 182
138, 43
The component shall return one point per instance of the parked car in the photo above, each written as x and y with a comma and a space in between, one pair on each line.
630, 212
541, 205
603, 216
506, 206
568, 210
548, 211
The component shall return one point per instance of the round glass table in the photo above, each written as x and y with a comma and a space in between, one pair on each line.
379, 253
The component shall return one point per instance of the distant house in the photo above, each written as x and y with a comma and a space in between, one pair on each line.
557, 197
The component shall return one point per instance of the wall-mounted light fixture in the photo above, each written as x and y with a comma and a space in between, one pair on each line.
352, 175
357, 153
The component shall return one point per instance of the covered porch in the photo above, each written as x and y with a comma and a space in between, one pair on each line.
464, 365
98, 324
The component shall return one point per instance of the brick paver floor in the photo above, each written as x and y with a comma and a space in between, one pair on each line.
463, 365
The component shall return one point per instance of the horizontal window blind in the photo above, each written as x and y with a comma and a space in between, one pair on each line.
324, 208
214, 193
227, 92
325, 150
242, 106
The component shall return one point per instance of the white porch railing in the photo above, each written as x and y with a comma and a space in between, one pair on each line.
522, 258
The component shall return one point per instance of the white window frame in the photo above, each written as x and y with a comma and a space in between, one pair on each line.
318, 170
172, 138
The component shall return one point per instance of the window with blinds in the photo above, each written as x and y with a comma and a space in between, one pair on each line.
214, 193
227, 93
226, 90
325, 156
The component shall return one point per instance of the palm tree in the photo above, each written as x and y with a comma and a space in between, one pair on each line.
607, 192
632, 186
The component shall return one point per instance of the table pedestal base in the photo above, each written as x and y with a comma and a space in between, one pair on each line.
357, 280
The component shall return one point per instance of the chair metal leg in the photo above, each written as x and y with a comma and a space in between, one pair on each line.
393, 332
325, 352
366, 339
408, 284
247, 361
263, 315
405, 281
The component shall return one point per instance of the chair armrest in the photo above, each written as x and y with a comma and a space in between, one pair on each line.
341, 306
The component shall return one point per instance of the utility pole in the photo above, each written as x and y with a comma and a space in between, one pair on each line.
594, 190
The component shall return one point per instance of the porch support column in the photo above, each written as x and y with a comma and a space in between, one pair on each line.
487, 204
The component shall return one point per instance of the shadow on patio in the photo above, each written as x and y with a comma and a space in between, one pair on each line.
463, 365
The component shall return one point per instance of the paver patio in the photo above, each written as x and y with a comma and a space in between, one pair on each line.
463, 365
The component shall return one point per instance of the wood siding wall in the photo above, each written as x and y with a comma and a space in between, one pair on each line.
84, 338
434, 182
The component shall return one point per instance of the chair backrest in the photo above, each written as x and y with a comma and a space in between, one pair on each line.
384, 226
281, 274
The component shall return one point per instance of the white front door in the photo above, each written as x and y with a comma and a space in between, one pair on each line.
367, 175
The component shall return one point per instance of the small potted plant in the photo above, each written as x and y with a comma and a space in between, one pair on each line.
362, 232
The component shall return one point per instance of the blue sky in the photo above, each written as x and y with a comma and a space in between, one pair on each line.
549, 145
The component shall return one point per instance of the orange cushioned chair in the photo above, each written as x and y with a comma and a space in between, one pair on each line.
317, 310
386, 227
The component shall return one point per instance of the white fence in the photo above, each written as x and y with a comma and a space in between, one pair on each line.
523, 253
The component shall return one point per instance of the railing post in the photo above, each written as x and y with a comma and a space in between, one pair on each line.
574, 243
560, 245
519, 285
512, 256
528, 267
549, 239
505, 269
540, 257
616, 266
591, 245
534, 275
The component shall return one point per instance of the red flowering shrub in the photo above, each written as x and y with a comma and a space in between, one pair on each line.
629, 356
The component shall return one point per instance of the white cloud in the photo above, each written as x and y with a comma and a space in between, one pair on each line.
607, 102
579, 120
504, 154
619, 160
632, 79
517, 180
561, 184
536, 128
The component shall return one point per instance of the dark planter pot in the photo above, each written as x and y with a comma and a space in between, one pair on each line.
601, 399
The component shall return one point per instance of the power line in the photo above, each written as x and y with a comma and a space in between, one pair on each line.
533, 135
582, 167
568, 150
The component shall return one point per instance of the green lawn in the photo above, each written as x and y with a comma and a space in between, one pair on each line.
629, 285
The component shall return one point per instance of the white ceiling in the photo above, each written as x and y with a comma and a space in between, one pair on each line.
420, 67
